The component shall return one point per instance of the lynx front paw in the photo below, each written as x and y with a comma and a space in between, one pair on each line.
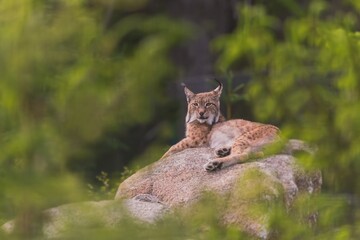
222, 152
212, 166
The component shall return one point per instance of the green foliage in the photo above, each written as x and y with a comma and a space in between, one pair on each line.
106, 187
70, 70
305, 71
67, 75
198, 223
232, 95
104, 191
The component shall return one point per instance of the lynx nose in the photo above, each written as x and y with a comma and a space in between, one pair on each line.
201, 114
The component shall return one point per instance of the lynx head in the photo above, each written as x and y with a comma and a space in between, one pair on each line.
203, 107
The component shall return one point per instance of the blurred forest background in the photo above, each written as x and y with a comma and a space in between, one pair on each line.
90, 92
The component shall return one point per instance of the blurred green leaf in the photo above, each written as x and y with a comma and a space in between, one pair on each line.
305, 76
68, 73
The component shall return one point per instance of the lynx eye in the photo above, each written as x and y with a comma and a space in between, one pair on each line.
208, 104
195, 104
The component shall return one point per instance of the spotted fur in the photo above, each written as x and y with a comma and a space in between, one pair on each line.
234, 141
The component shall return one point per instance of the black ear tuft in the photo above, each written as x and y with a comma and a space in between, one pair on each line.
218, 90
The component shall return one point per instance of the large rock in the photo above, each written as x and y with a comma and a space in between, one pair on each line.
180, 181
68, 218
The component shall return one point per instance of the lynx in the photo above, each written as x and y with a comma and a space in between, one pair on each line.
234, 141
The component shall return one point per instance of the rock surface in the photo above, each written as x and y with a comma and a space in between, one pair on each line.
180, 181
83, 215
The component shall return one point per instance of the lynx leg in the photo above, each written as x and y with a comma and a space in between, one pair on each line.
183, 144
247, 146
213, 165
219, 163
223, 152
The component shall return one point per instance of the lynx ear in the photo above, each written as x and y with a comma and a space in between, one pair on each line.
189, 94
218, 90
